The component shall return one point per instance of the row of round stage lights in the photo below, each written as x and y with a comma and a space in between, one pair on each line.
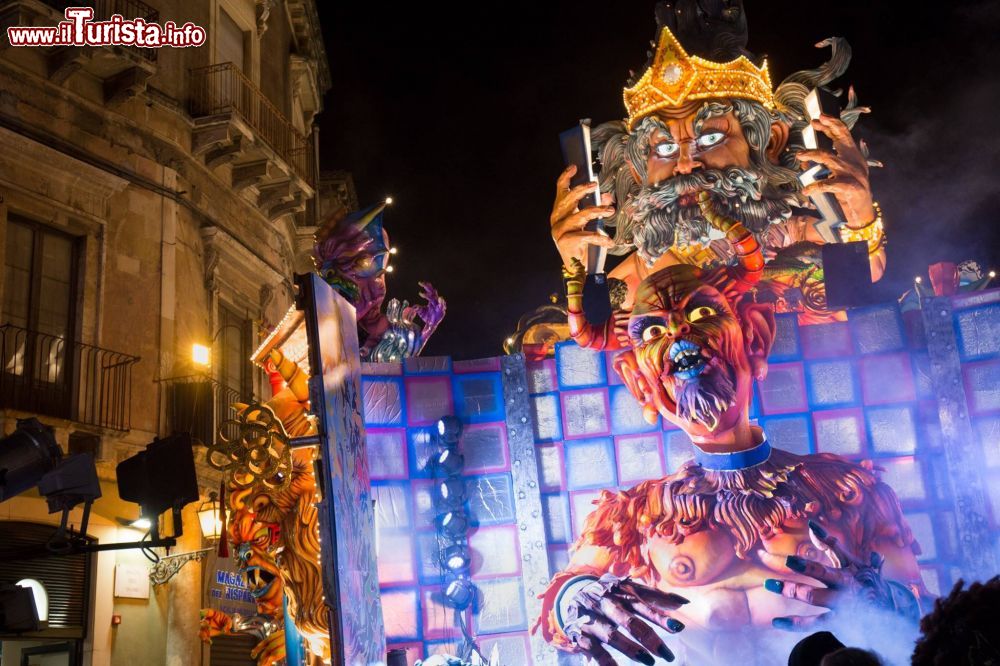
452, 521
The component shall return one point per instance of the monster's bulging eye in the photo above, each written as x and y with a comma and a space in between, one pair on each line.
710, 139
700, 313
262, 537
666, 149
653, 332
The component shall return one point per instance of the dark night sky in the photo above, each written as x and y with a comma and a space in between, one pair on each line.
454, 110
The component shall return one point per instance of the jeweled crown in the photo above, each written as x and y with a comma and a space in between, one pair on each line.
675, 78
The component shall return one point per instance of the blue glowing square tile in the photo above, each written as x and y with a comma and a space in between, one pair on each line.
626, 413
832, 340
484, 447
396, 565
392, 505
832, 383
905, 476
424, 510
491, 499
585, 413
555, 513
502, 606
551, 474
547, 416
887, 378
786, 338
982, 386
878, 328
789, 433
978, 331
988, 429
479, 397
891, 430
428, 398
590, 463
429, 558
496, 552
513, 648
922, 375
784, 389
427, 365
387, 458
577, 367
383, 401
401, 612
679, 449
923, 531
640, 457
581, 505
421, 450
840, 431
542, 376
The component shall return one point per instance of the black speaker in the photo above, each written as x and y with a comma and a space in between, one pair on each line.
161, 477
848, 275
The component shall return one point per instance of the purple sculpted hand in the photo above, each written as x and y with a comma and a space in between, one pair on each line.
431, 313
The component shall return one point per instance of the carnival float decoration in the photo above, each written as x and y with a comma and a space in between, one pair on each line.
352, 253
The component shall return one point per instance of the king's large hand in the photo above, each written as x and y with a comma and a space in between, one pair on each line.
599, 614
848, 179
848, 584
568, 221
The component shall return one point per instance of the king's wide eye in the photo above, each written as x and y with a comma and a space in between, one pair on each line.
710, 139
653, 332
666, 149
700, 313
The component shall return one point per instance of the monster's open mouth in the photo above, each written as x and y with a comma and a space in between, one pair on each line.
259, 581
686, 360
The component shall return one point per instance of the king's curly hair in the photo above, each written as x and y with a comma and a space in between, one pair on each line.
962, 630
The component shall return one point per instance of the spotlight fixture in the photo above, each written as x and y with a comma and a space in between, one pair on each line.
456, 558
459, 593
918, 280
449, 429
453, 524
450, 462
451, 492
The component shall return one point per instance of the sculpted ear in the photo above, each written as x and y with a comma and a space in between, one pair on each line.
777, 142
758, 333
628, 369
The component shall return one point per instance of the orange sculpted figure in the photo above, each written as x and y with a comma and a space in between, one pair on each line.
274, 530
744, 540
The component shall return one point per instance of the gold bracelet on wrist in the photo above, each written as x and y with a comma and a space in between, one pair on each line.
873, 233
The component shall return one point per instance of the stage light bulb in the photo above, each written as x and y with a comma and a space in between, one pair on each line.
459, 593
393, 250
456, 558
918, 279
389, 269
992, 274
142, 524
449, 429
388, 201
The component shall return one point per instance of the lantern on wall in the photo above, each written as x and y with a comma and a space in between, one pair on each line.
210, 517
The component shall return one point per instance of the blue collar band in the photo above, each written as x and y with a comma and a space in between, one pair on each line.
731, 462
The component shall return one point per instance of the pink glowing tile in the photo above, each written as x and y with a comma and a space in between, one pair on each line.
395, 559
439, 618
400, 614
428, 399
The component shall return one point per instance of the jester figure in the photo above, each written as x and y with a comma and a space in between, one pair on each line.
745, 541
703, 117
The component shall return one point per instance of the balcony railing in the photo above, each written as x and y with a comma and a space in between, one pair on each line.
223, 88
47, 375
105, 9
198, 405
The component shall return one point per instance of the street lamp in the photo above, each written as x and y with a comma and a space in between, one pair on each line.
210, 518
202, 354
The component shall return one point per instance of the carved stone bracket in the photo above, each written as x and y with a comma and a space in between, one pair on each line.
168, 566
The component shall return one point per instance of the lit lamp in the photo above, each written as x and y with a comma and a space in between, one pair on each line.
208, 516
201, 354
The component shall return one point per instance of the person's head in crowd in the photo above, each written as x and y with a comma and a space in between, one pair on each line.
963, 629
811, 649
851, 656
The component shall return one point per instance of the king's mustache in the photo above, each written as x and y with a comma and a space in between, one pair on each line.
745, 184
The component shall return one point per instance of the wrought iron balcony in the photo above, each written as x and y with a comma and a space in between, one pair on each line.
198, 405
50, 376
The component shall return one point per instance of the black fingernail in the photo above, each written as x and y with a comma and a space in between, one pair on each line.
674, 625
795, 563
665, 653
781, 623
677, 599
774, 585
646, 658
818, 529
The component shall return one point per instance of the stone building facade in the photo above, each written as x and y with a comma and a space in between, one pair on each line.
150, 200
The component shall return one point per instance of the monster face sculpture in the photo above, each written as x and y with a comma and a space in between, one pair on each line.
255, 540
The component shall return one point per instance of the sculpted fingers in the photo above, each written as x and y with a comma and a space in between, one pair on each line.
593, 648
831, 577
843, 185
566, 202
831, 546
810, 594
800, 622
615, 610
654, 597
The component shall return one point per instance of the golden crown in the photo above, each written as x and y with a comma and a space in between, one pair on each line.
675, 78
